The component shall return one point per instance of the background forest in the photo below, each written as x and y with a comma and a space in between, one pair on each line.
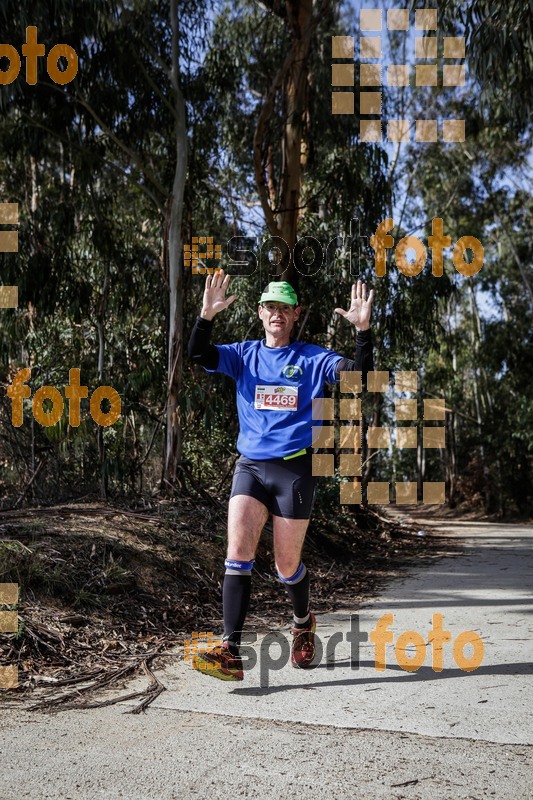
214, 119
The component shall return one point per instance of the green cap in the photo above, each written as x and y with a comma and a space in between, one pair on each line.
279, 292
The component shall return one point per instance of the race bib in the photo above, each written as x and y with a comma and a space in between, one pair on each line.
276, 398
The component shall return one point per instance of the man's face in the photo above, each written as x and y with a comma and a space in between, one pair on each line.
278, 318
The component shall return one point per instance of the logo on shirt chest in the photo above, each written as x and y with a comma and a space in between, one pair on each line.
292, 372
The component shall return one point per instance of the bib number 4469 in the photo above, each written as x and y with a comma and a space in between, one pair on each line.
276, 398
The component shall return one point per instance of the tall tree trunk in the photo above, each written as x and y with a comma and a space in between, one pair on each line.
292, 81
479, 400
295, 95
100, 321
174, 433
420, 451
100, 327
34, 201
450, 464
451, 423
453, 433
488, 411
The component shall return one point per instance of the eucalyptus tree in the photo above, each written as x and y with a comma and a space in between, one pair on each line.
499, 38
478, 353
121, 124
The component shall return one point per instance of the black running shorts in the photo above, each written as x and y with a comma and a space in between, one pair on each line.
285, 487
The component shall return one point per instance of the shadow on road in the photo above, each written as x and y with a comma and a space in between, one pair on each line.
423, 675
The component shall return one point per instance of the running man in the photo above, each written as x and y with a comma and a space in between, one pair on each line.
277, 378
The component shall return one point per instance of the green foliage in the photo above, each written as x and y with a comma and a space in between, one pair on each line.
500, 48
91, 166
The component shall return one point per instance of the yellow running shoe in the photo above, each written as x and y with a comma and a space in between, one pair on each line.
220, 663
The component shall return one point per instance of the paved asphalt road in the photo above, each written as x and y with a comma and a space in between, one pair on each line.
343, 730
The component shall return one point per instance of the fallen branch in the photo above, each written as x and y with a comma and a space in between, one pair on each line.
153, 690
65, 700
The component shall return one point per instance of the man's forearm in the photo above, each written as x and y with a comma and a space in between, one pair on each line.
200, 349
364, 356
364, 351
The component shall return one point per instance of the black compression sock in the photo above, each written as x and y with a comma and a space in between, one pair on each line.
299, 596
236, 593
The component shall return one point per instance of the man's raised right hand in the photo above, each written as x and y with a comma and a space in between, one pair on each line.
215, 299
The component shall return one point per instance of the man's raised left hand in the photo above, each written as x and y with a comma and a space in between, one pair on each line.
359, 312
